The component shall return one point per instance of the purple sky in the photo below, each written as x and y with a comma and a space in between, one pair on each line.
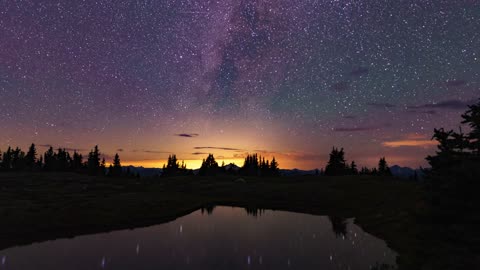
284, 78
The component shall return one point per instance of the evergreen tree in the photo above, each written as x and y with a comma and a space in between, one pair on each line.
274, 170
7, 159
18, 159
173, 167
353, 168
49, 159
383, 168
453, 177
31, 157
77, 162
103, 167
63, 160
336, 164
209, 166
116, 169
93, 163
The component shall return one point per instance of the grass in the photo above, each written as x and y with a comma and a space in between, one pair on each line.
44, 206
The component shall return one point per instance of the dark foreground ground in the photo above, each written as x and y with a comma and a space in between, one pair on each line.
43, 206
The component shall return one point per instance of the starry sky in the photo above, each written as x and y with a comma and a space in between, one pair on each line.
282, 78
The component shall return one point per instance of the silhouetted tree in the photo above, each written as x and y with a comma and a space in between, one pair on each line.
77, 162
18, 159
49, 159
274, 170
455, 172
353, 168
103, 167
31, 157
173, 168
63, 160
93, 163
255, 165
336, 164
383, 168
7, 159
209, 166
116, 168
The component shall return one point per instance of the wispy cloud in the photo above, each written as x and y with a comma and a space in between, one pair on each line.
452, 104
218, 148
69, 149
150, 151
359, 128
199, 153
410, 143
187, 135
431, 112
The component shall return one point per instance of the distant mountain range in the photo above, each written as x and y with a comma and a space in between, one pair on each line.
398, 171
144, 172
405, 172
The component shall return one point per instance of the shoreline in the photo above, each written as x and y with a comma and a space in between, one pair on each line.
47, 206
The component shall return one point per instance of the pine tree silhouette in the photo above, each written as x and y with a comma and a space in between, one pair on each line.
49, 159
209, 166
353, 168
453, 177
93, 163
383, 168
7, 159
336, 164
31, 157
116, 168
274, 170
18, 159
77, 162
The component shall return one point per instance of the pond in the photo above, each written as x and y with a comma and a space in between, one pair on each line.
215, 238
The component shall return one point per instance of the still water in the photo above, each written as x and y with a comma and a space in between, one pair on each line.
215, 238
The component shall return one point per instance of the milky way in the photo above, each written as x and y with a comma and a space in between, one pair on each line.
283, 78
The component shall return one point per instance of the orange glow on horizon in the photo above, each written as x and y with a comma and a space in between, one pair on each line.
191, 163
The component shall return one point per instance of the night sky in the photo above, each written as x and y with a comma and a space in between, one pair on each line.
286, 78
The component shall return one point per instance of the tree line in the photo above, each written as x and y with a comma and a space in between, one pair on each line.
60, 160
337, 166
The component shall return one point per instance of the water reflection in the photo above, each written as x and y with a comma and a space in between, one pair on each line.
225, 238
339, 226
253, 211
209, 209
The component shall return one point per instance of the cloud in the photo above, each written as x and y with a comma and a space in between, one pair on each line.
452, 104
151, 151
359, 128
381, 105
291, 155
120, 150
431, 112
359, 71
217, 148
410, 143
199, 153
187, 135
69, 149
